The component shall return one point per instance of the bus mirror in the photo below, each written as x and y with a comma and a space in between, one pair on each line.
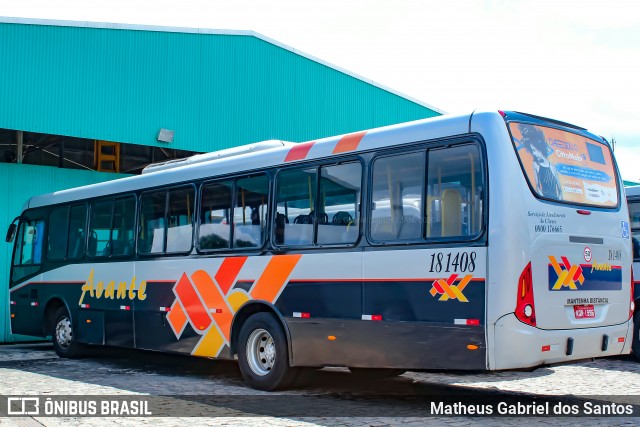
11, 232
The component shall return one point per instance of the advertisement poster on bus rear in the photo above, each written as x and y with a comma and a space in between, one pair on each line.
565, 166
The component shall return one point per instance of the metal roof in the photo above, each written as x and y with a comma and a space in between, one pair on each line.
210, 89
166, 29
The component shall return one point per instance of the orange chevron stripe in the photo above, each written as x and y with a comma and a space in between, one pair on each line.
299, 151
555, 265
177, 318
577, 274
569, 279
196, 312
228, 272
459, 294
274, 277
348, 142
464, 282
447, 288
213, 299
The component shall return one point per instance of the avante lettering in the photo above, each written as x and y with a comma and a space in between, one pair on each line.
99, 291
600, 267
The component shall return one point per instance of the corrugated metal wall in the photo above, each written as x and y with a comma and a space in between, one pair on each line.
17, 184
215, 91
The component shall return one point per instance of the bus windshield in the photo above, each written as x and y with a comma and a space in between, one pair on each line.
565, 166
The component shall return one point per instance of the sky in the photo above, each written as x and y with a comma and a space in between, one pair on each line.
575, 61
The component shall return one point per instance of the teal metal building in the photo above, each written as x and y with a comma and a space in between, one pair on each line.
87, 102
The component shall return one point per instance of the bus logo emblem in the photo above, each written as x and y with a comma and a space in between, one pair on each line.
569, 275
447, 290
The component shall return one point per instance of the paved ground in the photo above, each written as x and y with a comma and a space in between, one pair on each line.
320, 398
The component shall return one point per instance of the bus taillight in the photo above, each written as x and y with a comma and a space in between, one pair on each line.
525, 306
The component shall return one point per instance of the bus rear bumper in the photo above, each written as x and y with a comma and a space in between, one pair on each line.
522, 346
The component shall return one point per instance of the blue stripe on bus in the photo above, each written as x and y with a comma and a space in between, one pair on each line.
594, 280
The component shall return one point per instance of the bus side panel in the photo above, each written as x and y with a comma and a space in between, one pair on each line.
29, 301
322, 299
189, 305
152, 329
103, 287
382, 344
25, 307
432, 305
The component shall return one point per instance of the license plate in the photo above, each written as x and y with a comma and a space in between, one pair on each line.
584, 311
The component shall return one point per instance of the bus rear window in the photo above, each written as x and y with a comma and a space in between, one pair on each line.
565, 166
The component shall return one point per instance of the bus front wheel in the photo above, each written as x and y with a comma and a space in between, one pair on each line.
263, 355
64, 342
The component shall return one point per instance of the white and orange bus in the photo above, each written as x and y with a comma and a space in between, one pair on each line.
487, 241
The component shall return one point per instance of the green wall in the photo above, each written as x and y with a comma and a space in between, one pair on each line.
17, 184
214, 90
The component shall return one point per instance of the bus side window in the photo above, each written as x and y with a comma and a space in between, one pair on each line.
454, 192
58, 234
397, 207
110, 227
151, 230
250, 211
122, 237
180, 220
28, 254
215, 216
296, 196
340, 191
100, 226
77, 232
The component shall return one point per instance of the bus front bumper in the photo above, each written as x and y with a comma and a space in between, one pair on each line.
518, 345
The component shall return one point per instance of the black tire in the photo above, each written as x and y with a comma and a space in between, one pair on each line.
263, 353
375, 373
635, 344
62, 335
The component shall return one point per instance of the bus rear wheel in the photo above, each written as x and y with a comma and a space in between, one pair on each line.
263, 353
64, 341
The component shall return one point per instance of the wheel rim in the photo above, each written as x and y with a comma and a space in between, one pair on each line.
261, 352
64, 333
